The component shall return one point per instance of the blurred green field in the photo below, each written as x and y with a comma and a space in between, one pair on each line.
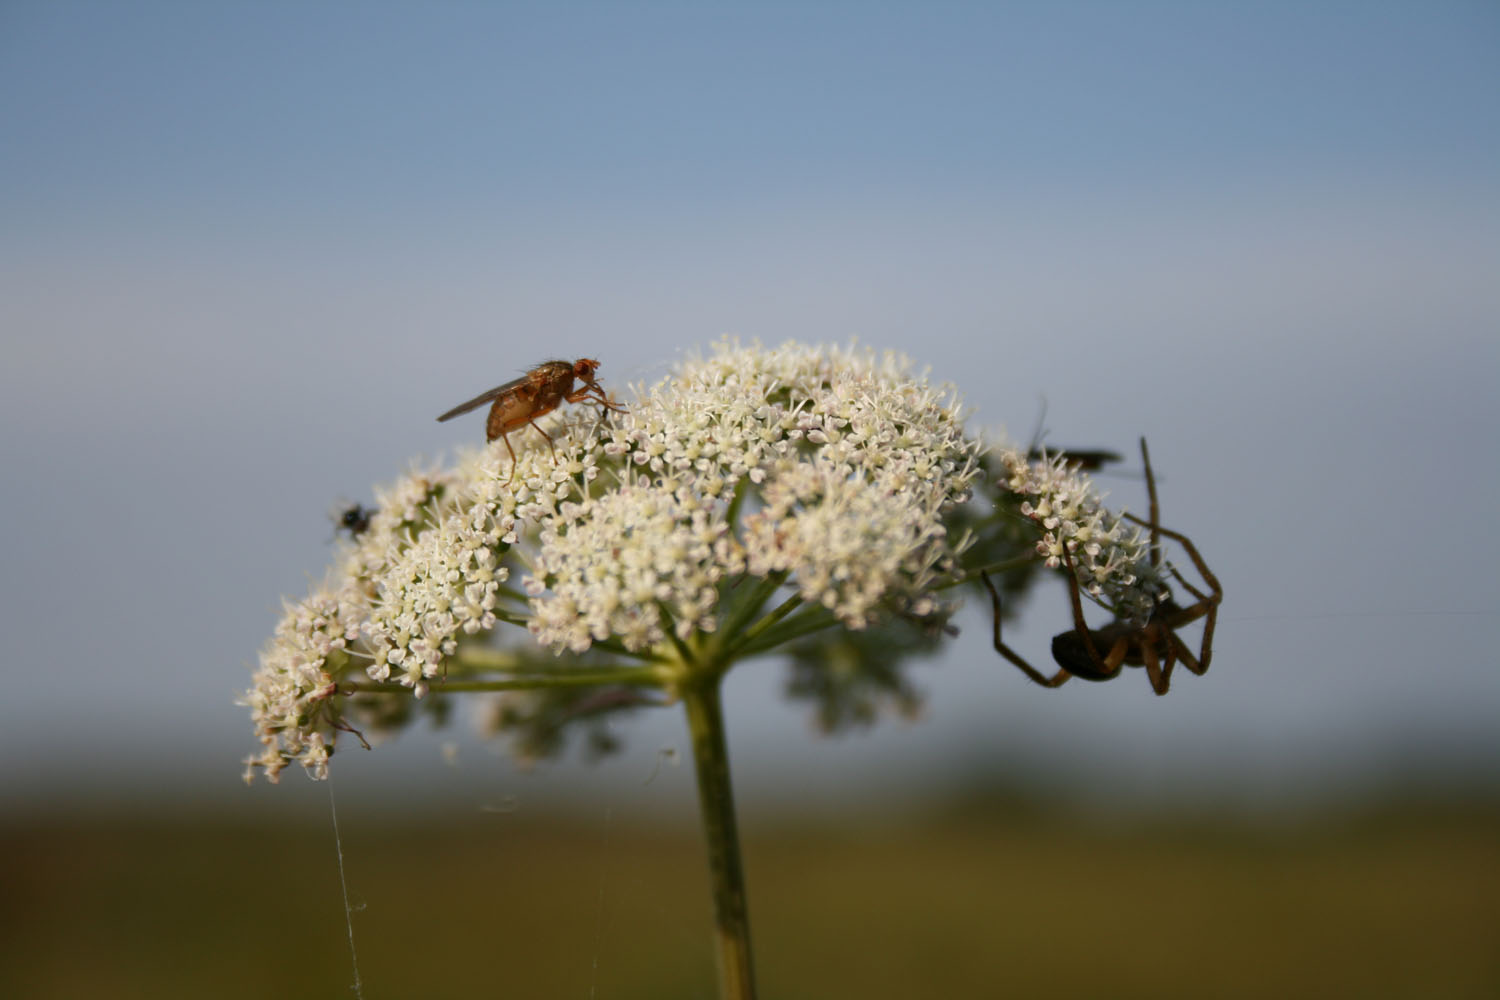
1399, 902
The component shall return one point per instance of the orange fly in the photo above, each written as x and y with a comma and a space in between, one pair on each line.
538, 392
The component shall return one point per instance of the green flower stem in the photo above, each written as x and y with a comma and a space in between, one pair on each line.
814, 618
754, 632
749, 606
633, 676
473, 657
616, 647
716, 802
514, 594
995, 567
732, 515
685, 657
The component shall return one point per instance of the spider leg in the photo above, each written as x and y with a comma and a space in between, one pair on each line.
1155, 509
1198, 563
1208, 604
1206, 651
1200, 595
1215, 590
1158, 669
1209, 611
343, 725
1056, 680
1179, 648
1117, 651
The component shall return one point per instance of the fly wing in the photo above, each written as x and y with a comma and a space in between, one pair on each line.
484, 397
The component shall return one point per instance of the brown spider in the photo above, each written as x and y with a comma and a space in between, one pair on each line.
1098, 654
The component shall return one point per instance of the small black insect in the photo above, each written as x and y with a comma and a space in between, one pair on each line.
354, 519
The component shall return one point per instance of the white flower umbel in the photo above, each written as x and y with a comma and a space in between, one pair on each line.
659, 534
1111, 558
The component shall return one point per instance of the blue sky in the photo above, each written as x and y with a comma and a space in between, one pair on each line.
260, 116
250, 250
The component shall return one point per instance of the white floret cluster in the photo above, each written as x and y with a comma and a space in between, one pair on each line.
851, 543
319, 636
1109, 556
830, 470
294, 682
627, 564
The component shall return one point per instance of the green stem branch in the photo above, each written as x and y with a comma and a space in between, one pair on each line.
994, 567
814, 619
633, 676
748, 636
